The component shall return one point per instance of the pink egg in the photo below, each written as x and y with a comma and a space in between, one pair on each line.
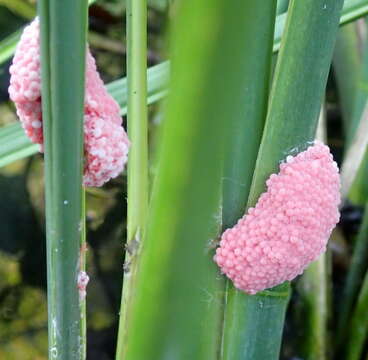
289, 226
106, 144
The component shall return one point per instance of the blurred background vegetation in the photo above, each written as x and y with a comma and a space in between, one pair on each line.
23, 312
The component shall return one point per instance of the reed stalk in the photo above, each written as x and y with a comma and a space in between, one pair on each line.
63, 47
138, 154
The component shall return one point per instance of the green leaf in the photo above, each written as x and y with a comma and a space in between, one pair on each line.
19, 7
64, 32
294, 107
351, 10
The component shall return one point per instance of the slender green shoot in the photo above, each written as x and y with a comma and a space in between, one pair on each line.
138, 154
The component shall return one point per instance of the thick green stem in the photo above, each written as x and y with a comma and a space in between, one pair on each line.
176, 312
138, 154
240, 158
63, 33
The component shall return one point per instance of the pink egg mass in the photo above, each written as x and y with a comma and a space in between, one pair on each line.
106, 144
288, 228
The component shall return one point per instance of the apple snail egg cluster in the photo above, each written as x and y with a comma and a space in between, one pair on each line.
288, 228
106, 144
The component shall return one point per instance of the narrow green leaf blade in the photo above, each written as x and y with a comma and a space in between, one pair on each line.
352, 9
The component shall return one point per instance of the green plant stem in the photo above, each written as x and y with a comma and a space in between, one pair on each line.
291, 122
63, 32
178, 284
353, 280
241, 151
138, 153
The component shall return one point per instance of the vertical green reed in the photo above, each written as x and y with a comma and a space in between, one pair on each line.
241, 150
136, 14
63, 45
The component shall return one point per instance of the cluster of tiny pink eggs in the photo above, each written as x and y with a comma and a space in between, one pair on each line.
106, 144
288, 228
